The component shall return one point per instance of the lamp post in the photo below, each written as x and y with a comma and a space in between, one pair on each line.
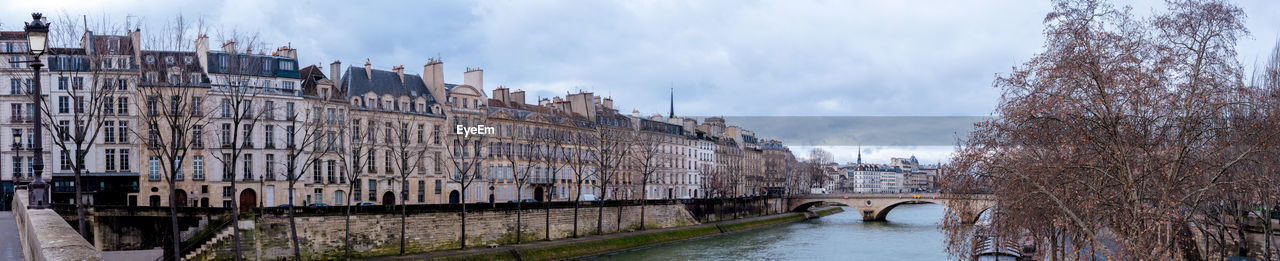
37, 41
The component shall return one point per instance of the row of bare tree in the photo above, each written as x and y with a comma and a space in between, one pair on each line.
1129, 138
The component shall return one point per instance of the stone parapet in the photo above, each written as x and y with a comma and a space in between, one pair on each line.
44, 235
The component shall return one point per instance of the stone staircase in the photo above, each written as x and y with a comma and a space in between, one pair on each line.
221, 242
191, 231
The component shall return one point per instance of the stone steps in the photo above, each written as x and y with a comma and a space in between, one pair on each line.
216, 242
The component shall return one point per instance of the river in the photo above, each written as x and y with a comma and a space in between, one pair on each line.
911, 233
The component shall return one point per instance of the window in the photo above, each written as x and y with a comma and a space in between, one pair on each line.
77, 83
331, 165
64, 104
226, 135
247, 136
270, 132
63, 82
178, 165
355, 186
438, 187
271, 167
109, 131
124, 160
153, 168
197, 167
270, 110
226, 108
226, 191
79, 103
388, 159
197, 138
422, 191
315, 172
288, 111
123, 132
421, 131
373, 189
122, 105
65, 133
248, 167
196, 106
17, 167
65, 160
288, 131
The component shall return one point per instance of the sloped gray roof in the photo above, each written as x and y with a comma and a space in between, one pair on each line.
357, 83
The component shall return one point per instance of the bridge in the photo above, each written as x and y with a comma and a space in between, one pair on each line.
875, 207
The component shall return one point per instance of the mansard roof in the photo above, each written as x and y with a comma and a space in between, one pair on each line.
381, 82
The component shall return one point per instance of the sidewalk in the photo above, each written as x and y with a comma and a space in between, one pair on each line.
9, 247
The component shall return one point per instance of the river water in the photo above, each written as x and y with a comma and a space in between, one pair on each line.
911, 233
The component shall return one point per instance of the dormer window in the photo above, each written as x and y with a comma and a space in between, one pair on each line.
168, 59
187, 60
151, 59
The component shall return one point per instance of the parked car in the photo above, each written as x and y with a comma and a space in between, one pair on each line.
588, 197
685, 197
529, 200
366, 204
283, 206
318, 205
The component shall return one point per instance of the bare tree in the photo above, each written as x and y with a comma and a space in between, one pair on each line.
647, 159
581, 160
172, 112
1120, 137
553, 155
518, 151
303, 129
237, 117
467, 156
409, 157
353, 157
612, 149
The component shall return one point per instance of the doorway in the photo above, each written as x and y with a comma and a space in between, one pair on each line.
248, 200
388, 198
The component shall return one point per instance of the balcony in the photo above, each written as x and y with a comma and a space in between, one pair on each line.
23, 119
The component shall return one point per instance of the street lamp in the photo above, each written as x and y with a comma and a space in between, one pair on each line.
37, 41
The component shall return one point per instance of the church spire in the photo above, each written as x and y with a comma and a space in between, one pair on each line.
672, 114
859, 154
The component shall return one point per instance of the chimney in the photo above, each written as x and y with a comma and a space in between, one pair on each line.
202, 51
368, 68
433, 77
501, 95
229, 46
399, 69
608, 103
335, 71
544, 102
286, 51
518, 96
475, 78
581, 103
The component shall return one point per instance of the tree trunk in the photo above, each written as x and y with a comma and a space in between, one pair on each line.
600, 212
463, 240
547, 202
519, 203
644, 199
235, 216
346, 237
403, 215
293, 227
80, 205
577, 202
173, 222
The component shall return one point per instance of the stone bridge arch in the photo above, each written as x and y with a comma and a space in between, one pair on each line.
876, 207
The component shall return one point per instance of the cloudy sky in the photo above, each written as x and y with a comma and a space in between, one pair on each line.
733, 58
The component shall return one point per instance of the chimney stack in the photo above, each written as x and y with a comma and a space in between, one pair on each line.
608, 103
433, 77
399, 69
229, 46
501, 94
202, 49
335, 71
518, 96
368, 68
475, 78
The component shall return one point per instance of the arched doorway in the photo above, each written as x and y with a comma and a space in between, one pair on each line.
204, 202
537, 194
181, 198
454, 197
388, 198
248, 200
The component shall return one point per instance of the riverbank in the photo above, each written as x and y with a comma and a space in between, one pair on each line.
613, 243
